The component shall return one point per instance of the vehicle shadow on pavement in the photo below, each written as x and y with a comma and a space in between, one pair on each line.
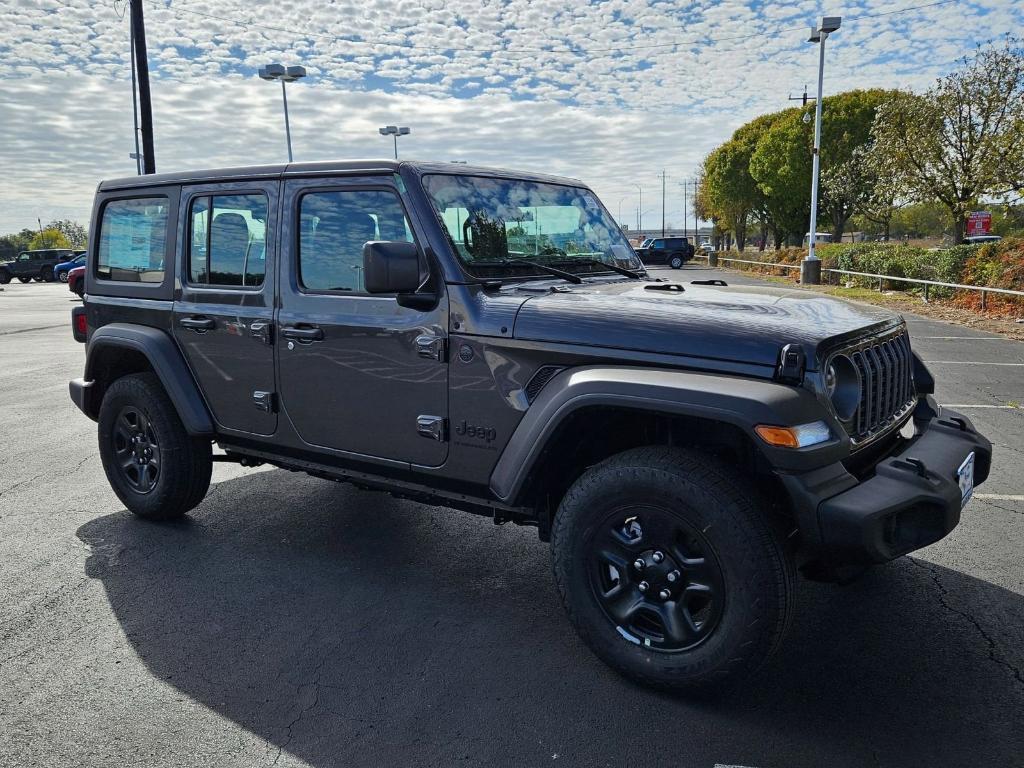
346, 627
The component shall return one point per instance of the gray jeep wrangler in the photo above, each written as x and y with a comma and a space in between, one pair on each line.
489, 341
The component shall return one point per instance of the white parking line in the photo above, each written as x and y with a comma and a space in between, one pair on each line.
999, 496
970, 405
965, 338
970, 362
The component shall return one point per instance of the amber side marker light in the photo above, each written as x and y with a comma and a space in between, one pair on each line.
794, 437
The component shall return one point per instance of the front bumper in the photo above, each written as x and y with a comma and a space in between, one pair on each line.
911, 499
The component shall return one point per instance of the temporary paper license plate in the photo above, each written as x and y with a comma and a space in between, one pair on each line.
966, 477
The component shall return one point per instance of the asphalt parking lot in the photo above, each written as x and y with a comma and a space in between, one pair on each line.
293, 621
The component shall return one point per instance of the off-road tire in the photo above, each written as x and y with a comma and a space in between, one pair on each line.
46, 275
25, 279
758, 572
5, 277
185, 461
676, 261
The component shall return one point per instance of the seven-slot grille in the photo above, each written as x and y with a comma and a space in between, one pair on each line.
886, 384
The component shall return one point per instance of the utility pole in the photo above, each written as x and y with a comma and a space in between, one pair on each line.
685, 185
145, 102
663, 203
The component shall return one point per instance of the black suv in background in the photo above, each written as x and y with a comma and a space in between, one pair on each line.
674, 251
34, 265
488, 341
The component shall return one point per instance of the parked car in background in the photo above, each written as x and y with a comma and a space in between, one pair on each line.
707, 247
61, 270
979, 239
76, 281
674, 251
34, 265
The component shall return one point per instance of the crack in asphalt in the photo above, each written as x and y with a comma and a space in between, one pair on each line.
943, 592
305, 710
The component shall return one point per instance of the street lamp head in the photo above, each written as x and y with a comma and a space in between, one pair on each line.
403, 131
293, 73
830, 24
272, 71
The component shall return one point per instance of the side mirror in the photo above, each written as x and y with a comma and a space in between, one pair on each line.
391, 267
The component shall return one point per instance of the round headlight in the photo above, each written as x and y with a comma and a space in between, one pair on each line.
842, 384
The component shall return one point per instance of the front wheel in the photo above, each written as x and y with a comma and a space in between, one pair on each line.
157, 470
670, 571
63, 276
676, 262
25, 279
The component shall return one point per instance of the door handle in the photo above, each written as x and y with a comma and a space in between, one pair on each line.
198, 323
302, 334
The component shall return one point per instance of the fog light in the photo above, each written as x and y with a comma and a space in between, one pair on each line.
794, 437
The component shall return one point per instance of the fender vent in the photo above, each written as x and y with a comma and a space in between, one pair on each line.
542, 376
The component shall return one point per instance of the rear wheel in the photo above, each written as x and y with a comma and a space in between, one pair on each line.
25, 279
157, 470
670, 571
5, 277
675, 261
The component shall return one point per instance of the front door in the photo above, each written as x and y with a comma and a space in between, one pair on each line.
358, 373
224, 310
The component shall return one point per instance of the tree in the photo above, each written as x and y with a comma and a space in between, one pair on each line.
73, 232
781, 165
49, 238
846, 123
962, 139
11, 244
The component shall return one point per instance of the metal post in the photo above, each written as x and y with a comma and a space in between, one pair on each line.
395, 137
135, 106
810, 269
684, 214
663, 203
287, 127
983, 295
145, 102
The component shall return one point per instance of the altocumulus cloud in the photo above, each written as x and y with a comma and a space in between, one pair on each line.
610, 92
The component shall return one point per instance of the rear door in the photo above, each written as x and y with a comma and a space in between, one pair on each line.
358, 372
224, 309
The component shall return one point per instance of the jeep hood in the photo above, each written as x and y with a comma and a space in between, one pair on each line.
742, 324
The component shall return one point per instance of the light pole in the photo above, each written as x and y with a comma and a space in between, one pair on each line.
639, 210
285, 75
395, 131
619, 217
810, 268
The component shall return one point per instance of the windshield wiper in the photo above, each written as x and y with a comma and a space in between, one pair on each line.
569, 276
605, 264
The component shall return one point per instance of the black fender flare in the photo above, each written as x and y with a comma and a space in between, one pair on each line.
167, 362
741, 402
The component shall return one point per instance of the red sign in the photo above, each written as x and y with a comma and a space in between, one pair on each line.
979, 223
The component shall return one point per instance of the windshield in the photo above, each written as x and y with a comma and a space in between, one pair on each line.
494, 222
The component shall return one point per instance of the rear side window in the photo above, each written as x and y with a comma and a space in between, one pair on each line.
133, 240
334, 227
228, 240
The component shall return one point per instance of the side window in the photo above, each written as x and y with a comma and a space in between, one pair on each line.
133, 239
228, 240
334, 226
658, 244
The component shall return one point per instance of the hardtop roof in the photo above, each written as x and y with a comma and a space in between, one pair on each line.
330, 167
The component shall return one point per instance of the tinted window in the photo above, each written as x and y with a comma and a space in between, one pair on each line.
133, 238
228, 247
334, 226
658, 244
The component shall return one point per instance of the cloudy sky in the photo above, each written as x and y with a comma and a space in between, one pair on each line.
611, 92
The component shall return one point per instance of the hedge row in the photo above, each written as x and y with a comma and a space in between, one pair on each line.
994, 265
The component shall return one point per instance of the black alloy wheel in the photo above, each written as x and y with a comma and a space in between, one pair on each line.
136, 449
656, 578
